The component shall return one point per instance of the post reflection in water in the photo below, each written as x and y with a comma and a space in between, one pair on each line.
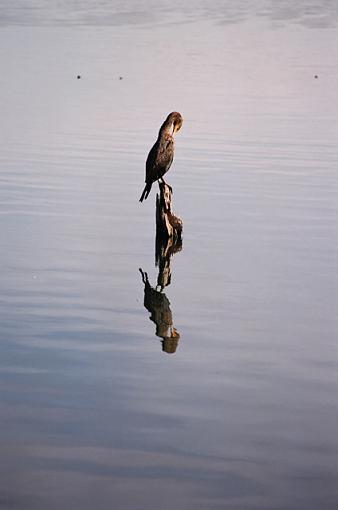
155, 300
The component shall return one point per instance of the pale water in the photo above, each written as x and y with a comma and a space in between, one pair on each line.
241, 411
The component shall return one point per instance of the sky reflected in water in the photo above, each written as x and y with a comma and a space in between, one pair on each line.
102, 404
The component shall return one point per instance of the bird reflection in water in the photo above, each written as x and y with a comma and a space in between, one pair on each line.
155, 300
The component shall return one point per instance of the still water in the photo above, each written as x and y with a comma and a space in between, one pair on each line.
221, 390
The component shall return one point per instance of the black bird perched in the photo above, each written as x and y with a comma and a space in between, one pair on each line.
161, 154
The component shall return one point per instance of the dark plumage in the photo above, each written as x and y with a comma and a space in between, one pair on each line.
161, 154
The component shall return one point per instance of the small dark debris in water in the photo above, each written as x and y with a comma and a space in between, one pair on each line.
316, 76
121, 78
78, 76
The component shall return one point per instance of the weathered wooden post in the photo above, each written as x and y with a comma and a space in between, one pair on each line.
164, 250
168, 241
168, 226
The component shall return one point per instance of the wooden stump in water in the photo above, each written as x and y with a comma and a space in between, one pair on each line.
168, 241
164, 250
168, 226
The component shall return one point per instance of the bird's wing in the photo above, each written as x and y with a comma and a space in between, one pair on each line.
165, 154
159, 159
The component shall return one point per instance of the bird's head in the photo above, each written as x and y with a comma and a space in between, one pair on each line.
172, 123
177, 121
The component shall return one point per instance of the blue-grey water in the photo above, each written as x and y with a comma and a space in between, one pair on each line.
93, 413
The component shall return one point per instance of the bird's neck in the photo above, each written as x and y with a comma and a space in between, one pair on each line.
167, 129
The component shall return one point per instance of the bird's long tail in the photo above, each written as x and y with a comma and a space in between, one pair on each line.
146, 191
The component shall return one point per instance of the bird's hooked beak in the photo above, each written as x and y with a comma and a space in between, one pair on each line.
176, 127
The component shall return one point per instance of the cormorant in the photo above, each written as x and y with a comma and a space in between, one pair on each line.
161, 154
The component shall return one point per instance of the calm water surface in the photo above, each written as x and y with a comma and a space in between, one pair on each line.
94, 413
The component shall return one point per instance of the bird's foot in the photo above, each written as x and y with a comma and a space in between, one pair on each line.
162, 181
